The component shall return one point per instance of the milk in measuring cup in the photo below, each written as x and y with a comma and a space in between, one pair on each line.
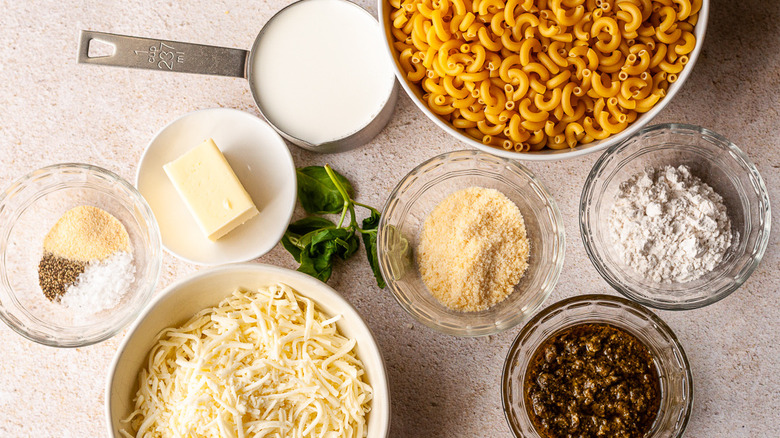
320, 70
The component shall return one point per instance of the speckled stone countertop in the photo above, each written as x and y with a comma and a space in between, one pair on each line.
54, 110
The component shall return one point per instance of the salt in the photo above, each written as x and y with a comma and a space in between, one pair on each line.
102, 284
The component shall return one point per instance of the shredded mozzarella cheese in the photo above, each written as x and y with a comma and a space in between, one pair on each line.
261, 364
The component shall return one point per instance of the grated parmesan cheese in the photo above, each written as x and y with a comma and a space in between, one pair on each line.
473, 249
261, 364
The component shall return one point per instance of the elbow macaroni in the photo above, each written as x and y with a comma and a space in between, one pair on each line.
528, 74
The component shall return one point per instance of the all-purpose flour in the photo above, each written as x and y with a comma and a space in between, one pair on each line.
669, 226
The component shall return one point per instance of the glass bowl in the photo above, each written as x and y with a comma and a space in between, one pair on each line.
28, 210
669, 358
714, 160
415, 197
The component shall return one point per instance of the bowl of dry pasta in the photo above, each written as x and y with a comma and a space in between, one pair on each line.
542, 79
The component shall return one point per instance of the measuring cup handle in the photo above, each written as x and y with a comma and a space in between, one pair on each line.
153, 54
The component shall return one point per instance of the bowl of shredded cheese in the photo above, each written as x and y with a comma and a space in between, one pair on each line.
248, 350
470, 244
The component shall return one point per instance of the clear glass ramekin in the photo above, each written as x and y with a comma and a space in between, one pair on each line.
28, 209
669, 357
717, 162
416, 196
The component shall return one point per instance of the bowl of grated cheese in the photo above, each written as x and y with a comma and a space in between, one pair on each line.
248, 350
451, 252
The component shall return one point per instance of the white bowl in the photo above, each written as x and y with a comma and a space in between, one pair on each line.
546, 154
178, 302
261, 161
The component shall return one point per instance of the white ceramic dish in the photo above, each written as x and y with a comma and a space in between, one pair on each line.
181, 300
260, 159
545, 154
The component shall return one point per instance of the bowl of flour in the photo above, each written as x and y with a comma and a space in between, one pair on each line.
676, 217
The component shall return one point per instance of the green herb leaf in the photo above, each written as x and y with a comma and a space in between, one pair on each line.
353, 243
370, 225
309, 224
345, 239
317, 261
299, 234
318, 194
315, 242
324, 246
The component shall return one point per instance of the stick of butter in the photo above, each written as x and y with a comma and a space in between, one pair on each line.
211, 190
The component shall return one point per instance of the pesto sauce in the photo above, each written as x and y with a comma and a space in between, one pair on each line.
592, 380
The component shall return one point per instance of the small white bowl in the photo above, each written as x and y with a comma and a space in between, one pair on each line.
179, 301
262, 162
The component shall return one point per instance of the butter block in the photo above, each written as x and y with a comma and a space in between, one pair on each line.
211, 190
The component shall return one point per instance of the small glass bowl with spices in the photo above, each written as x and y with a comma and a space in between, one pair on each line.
80, 255
596, 365
470, 244
676, 217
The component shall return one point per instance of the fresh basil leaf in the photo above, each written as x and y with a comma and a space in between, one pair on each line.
346, 241
298, 234
318, 261
292, 248
315, 242
371, 224
323, 247
349, 246
309, 224
317, 257
318, 194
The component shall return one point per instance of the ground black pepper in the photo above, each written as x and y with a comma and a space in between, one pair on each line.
592, 380
55, 274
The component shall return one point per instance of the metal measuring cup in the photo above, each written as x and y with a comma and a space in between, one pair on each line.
175, 56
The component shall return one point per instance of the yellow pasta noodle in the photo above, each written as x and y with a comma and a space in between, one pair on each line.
523, 75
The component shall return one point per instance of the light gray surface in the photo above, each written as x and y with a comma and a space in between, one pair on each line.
53, 110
